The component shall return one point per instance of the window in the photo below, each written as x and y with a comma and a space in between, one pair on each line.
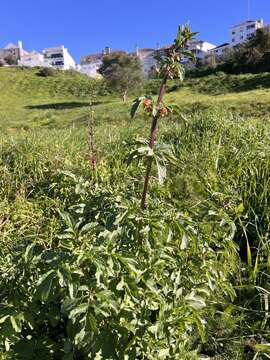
54, 56
233, 33
242, 37
233, 39
59, 63
251, 26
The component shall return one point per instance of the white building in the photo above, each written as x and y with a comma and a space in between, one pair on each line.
244, 31
59, 58
90, 65
219, 51
147, 57
33, 59
200, 48
12, 51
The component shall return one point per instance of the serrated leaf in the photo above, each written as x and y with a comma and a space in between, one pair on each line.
136, 103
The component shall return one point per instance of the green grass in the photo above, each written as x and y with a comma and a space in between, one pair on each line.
28, 100
217, 192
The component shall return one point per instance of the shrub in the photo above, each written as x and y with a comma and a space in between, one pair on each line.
46, 71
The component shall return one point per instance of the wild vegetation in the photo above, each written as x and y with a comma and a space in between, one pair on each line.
248, 57
122, 71
84, 271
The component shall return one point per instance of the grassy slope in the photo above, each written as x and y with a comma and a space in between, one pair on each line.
28, 100
217, 150
43, 122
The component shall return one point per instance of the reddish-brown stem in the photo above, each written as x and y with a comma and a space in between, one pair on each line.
152, 141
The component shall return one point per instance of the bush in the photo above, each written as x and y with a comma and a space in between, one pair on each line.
47, 72
115, 284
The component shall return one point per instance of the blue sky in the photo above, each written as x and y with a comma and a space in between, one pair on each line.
87, 26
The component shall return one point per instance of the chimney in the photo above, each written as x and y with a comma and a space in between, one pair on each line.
137, 50
20, 45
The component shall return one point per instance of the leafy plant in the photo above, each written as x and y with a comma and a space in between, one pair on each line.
169, 67
119, 284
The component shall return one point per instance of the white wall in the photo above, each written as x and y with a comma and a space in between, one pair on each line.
32, 60
220, 51
147, 59
91, 69
244, 31
63, 61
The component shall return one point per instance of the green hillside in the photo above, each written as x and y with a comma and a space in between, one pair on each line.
29, 100
84, 272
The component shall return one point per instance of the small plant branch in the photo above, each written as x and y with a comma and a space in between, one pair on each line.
152, 141
90, 139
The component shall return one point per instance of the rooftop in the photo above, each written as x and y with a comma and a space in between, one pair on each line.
11, 46
146, 50
57, 48
246, 23
90, 58
222, 45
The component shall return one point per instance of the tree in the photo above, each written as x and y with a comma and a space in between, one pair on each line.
122, 72
11, 59
210, 61
261, 41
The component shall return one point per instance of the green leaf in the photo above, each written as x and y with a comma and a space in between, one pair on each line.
189, 54
263, 347
195, 301
163, 354
91, 321
136, 103
44, 285
239, 209
16, 324
249, 256
178, 40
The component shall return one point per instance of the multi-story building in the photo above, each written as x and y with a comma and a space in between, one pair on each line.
33, 59
148, 60
90, 64
200, 48
244, 31
12, 52
239, 34
220, 50
59, 58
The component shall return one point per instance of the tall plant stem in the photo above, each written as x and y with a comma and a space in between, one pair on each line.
90, 140
152, 141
